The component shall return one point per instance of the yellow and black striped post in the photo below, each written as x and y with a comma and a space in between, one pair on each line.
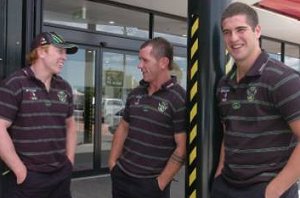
206, 60
193, 108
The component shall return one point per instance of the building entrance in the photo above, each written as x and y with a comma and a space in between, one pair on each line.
101, 77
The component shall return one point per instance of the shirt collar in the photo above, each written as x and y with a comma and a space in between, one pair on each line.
256, 69
29, 73
259, 65
167, 85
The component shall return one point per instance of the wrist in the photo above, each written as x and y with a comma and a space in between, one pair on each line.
161, 182
111, 164
273, 189
19, 170
20, 173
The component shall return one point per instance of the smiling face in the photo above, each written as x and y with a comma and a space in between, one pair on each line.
242, 41
53, 59
150, 67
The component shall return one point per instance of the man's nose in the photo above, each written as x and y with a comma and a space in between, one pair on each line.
64, 56
139, 66
233, 36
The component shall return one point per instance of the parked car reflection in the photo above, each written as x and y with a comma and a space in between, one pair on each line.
115, 120
110, 106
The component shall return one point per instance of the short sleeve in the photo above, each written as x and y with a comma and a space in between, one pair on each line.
9, 101
286, 96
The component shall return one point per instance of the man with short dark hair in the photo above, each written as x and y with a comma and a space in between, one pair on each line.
148, 147
37, 128
259, 105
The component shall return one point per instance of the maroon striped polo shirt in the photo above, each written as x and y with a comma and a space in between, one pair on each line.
256, 112
153, 122
38, 129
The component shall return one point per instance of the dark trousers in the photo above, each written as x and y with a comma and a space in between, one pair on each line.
125, 186
41, 185
221, 189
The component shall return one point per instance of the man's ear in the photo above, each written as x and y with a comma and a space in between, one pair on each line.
164, 63
41, 52
258, 31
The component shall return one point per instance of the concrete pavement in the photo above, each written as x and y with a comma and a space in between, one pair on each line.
100, 187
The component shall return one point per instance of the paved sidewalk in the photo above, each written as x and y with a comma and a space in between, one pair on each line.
100, 187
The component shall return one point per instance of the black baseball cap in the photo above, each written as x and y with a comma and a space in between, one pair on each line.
51, 38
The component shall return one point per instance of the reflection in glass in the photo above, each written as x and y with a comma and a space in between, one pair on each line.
273, 48
120, 75
292, 56
180, 70
171, 29
79, 71
96, 17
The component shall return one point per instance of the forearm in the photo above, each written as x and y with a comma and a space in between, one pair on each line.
118, 143
221, 161
175, 161
171, 169
71, 138
8, 153
286, 177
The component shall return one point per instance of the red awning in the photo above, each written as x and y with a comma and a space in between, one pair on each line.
289, 8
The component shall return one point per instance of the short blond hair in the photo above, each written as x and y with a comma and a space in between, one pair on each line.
32, 56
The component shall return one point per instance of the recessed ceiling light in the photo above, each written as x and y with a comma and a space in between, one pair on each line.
111, 22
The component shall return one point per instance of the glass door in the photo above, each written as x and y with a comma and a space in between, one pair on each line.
79, 71
101, 79
119, 76
106, 85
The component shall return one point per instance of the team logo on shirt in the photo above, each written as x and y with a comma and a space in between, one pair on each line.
162, 106
251, 92
62, 96
32, 94
224, 93
137, 99
236, 105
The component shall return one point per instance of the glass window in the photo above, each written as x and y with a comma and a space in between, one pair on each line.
180, 70
272, 47
292, 56
96, 17
173, 30
79, 71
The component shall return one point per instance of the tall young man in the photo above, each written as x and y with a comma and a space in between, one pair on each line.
259, 104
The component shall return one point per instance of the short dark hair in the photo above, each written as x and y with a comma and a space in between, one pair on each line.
239, 8
160, 48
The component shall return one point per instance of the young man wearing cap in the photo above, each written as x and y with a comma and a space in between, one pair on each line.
259, 103
37, 128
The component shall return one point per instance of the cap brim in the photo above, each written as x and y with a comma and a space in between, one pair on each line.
70, 48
